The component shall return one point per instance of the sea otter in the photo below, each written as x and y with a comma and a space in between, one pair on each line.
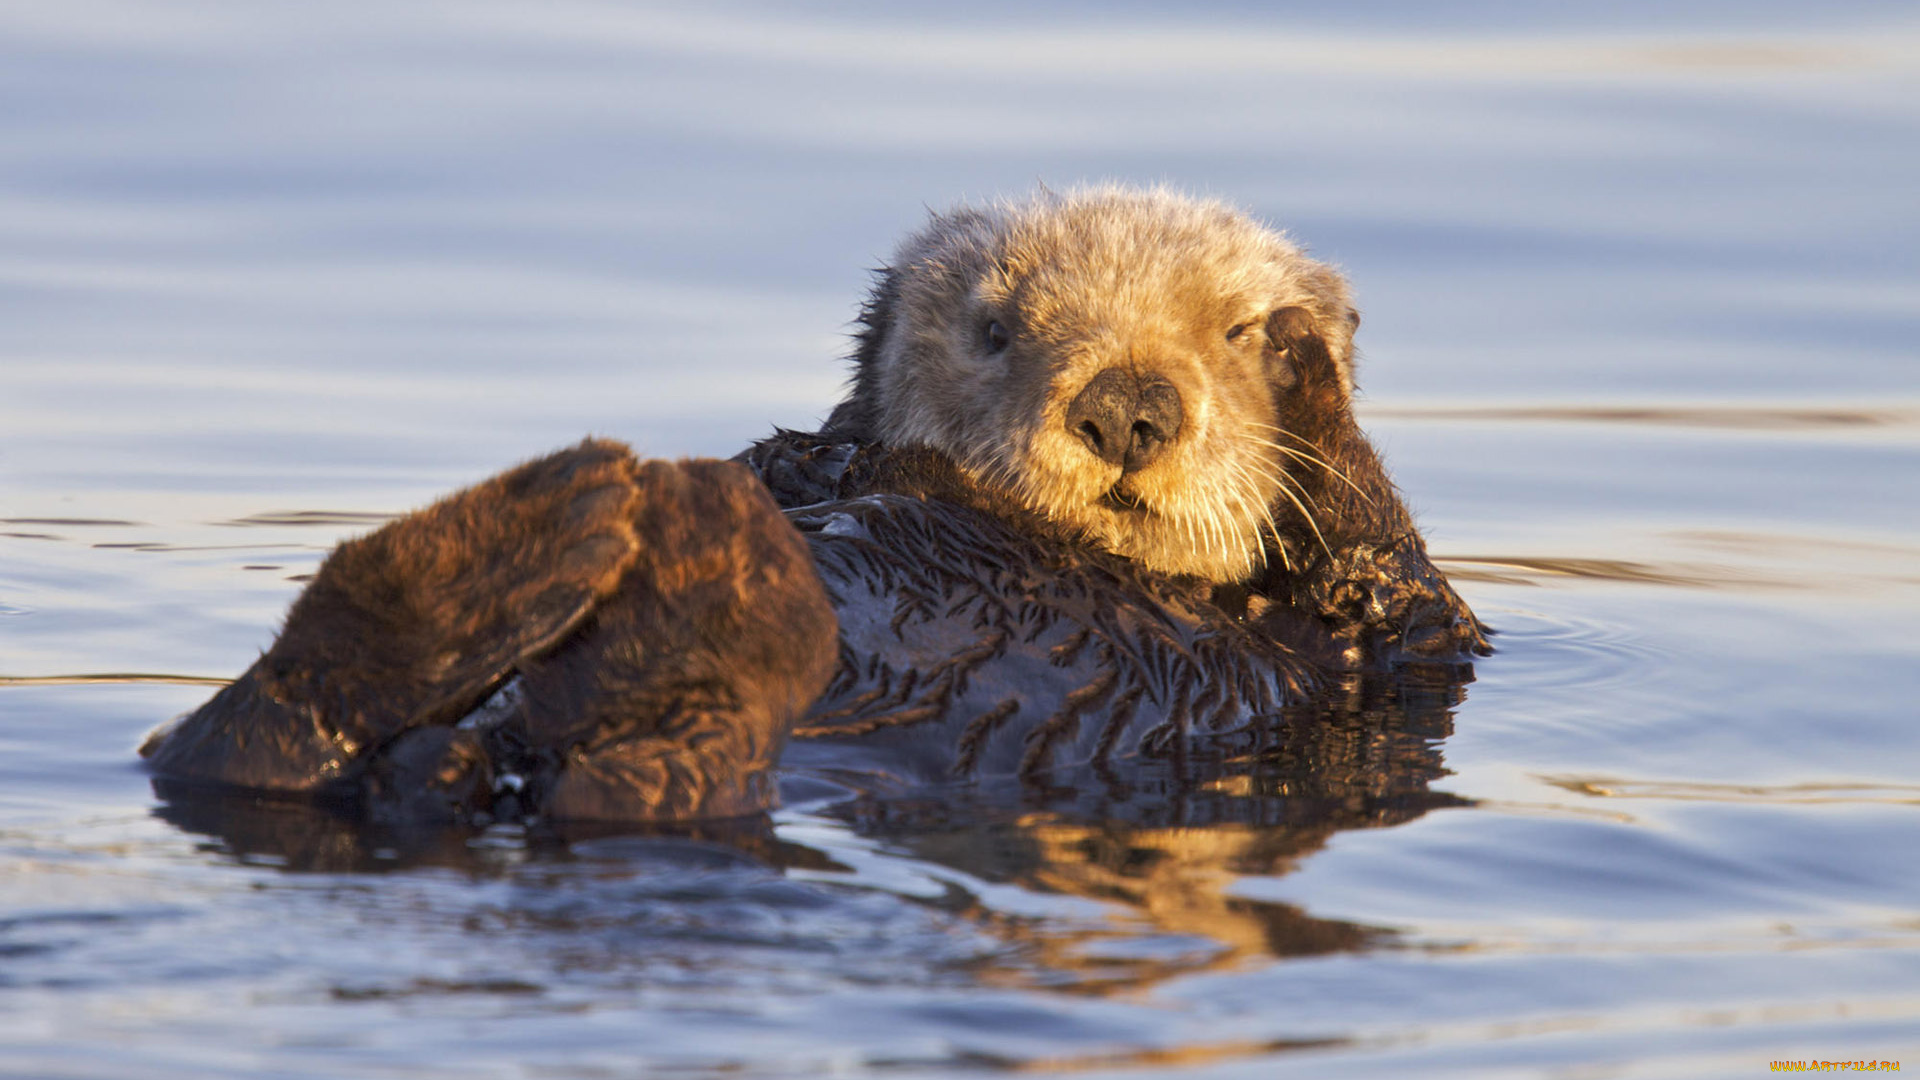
1095, 494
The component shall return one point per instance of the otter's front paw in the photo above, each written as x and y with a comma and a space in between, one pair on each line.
1381, 603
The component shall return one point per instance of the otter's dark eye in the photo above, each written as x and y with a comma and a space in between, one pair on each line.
996, 336
1234, 334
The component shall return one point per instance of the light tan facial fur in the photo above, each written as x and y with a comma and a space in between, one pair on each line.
992, 320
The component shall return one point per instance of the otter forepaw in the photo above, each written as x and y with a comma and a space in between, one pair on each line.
1445, 635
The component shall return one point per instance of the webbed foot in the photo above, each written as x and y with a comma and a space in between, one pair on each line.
416, 623
674, 703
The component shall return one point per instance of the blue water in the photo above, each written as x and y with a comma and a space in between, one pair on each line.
1641, 344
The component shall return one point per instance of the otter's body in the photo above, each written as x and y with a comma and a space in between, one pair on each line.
972, 648
1096, 494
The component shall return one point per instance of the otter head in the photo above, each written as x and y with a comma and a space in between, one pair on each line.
1123, 362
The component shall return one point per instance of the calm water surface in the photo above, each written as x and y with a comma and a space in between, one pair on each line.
1642, 334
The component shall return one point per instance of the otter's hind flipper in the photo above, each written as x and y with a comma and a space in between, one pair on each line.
675, 701
414, 624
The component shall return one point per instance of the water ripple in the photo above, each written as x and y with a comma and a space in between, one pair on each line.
1738, 417
1561, 652
1776, 794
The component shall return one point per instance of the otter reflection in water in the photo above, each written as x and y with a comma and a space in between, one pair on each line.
1095, 508
1162, 844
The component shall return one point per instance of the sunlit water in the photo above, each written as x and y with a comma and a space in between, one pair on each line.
1641, 327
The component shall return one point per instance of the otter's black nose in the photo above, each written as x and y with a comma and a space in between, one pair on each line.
1126, 419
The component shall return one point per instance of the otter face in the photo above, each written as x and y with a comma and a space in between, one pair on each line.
1116, 360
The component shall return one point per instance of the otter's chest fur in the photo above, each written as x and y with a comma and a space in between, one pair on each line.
971, 647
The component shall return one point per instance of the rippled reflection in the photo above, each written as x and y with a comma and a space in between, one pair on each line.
1167, 842
1161, 844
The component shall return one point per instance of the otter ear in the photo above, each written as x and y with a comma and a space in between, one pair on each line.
876, 315
1309, 351
855, 415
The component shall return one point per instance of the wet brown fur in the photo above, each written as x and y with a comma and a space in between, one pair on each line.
639, 639
665, 621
